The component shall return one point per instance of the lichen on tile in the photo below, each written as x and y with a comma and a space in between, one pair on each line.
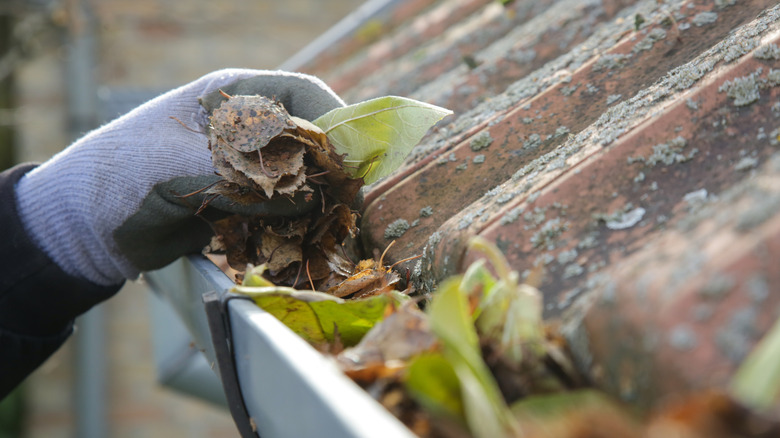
612, 98
396, 229
746, 163
724, 3
626, 220
743, 90
610, 61
704, 18
573, 270
511, 216
739, 49
655, 34
767, 52
481, 141
568, 90
532, 142
567, 256
549, 233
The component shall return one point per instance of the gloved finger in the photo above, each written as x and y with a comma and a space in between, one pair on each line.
302, 96
193, 191
165, 227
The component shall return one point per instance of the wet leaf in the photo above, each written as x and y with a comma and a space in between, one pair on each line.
233, 233
376, 135
371, 373
265, 154
219, 157
315, 316
238, 193
280, 252
400, 336
253, 277
338, 222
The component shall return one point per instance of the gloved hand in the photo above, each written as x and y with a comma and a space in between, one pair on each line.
110, 205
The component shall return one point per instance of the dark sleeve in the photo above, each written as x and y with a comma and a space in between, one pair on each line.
38, 301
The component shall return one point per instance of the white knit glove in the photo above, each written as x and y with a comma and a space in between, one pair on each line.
130, 172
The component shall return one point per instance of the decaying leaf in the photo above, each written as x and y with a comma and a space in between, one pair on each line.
237, 192
233, 233
264, 154
316, 316
398, 337
370, 278
248, 123
280, 251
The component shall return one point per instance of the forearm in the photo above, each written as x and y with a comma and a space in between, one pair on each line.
38, 301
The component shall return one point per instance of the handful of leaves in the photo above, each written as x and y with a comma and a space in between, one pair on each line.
263, 153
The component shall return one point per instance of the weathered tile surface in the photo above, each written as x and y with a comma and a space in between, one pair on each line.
634, 160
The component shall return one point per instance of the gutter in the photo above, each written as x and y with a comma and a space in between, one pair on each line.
289, 389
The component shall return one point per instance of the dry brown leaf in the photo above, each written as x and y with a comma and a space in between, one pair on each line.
236, 193
248, 123
233, 233
398, 337
339, 222
264, 153
280, 251
369, 278
219, 157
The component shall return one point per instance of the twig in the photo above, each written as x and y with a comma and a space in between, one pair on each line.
308, 274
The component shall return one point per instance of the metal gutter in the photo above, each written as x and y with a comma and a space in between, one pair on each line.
347, 26
289, 389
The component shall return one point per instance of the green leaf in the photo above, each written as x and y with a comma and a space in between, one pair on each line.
556, 405
509, 314
478, 279
485, 410
433, 383
378, 134
757, 381
511, 319
315, 315
253, 276
585, 412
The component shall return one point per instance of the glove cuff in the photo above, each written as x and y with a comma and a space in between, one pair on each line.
54, 218
72, 204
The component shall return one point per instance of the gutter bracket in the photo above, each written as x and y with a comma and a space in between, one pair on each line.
219, 325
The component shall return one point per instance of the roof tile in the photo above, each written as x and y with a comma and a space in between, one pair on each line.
634, 160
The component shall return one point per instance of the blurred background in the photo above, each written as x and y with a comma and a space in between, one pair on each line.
67, 66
